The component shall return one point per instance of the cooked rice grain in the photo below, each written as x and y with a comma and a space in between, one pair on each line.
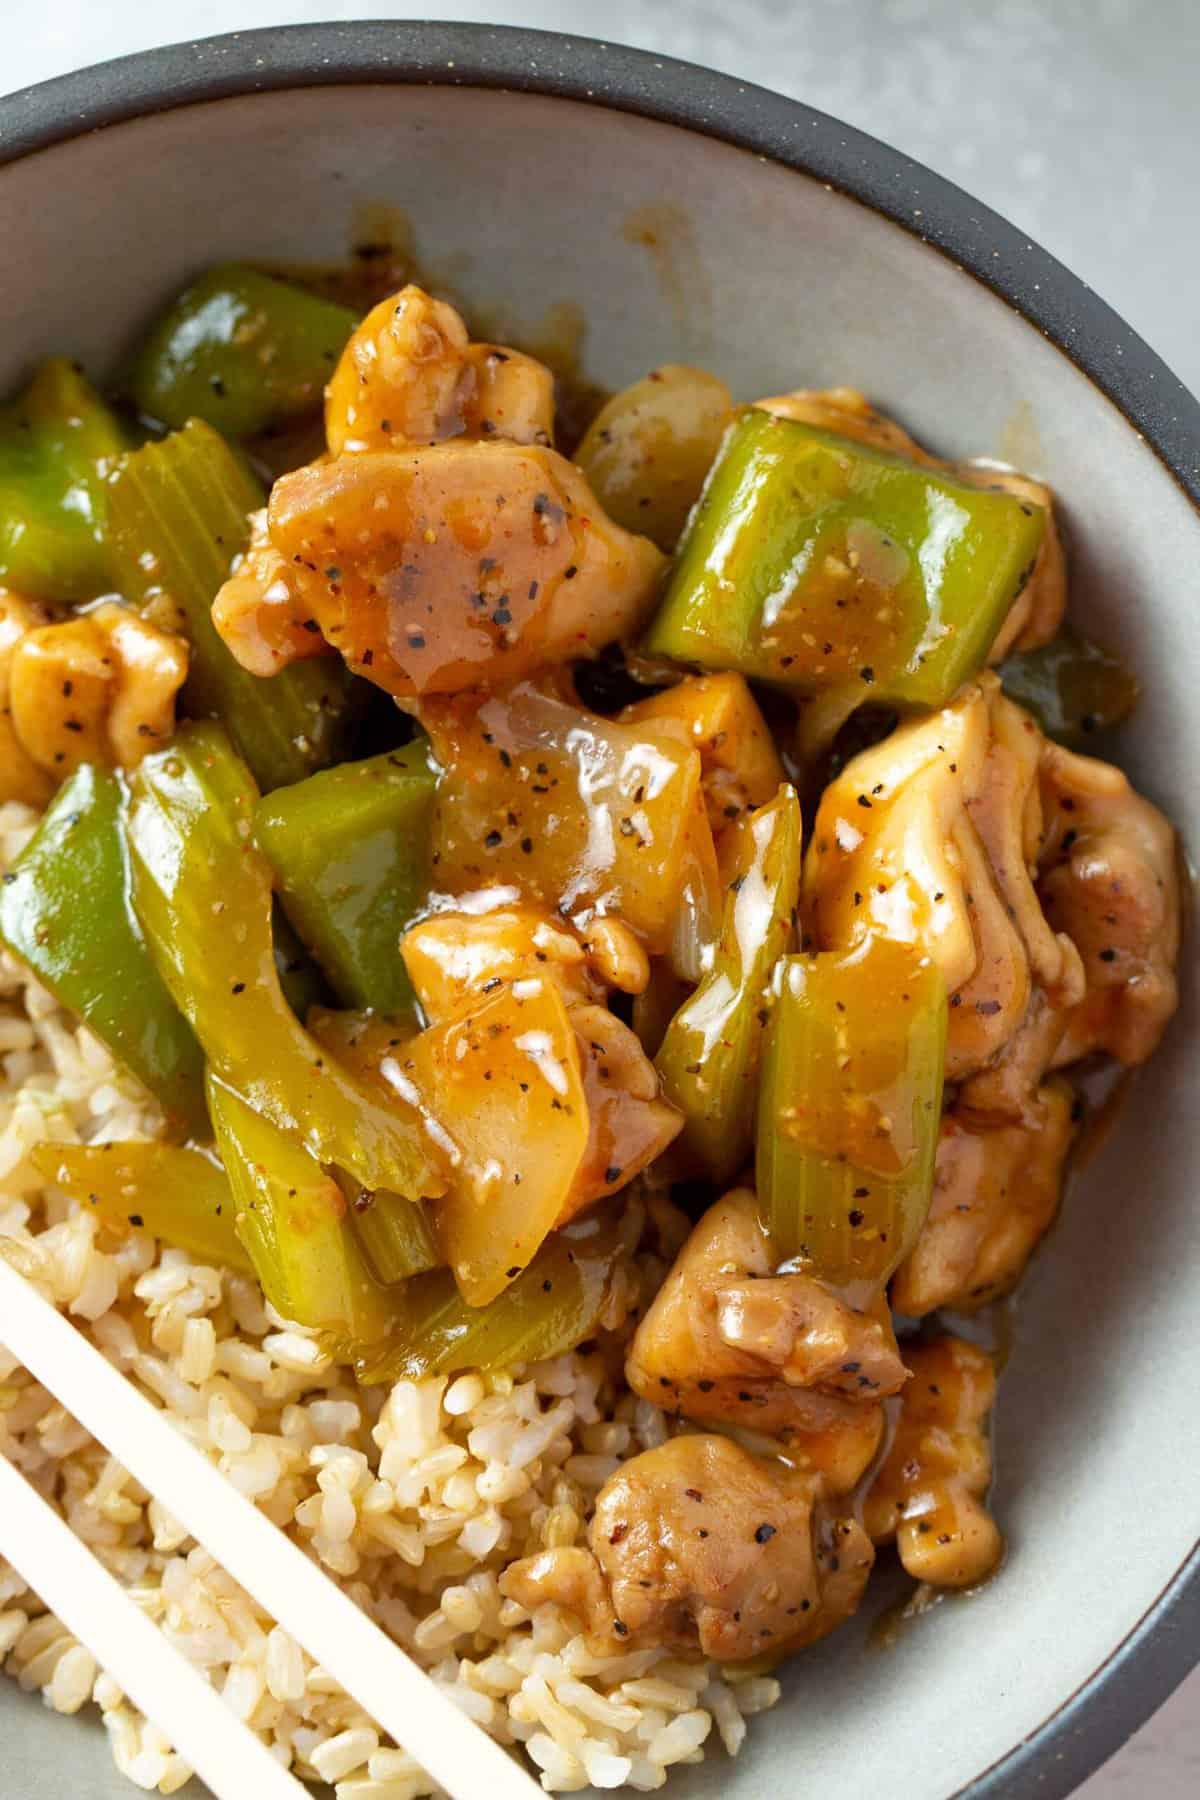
412, 1498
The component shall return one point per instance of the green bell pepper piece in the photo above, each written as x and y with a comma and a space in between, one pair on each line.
241, 350
202, 892
291, 1220
350, 848
57, 440
818, 563
850, 1105
709, 1057
178, 515
180, 1196
1072, 686
64, 910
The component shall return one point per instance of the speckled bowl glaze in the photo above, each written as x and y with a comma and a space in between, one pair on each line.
694, 219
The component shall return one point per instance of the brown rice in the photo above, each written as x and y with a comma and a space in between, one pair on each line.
412, 1498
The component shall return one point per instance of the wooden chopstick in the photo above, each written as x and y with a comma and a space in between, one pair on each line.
397, 1694
62, 1571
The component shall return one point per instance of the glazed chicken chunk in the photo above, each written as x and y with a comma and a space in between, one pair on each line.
442, 543
97, 687
700, 1545
950, 833
21, 778
432, 570
411, 375
996, 1188
930, 838
1110, 881
726, 1340
257, 611
928, 1494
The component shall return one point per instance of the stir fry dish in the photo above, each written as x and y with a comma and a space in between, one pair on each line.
545, 984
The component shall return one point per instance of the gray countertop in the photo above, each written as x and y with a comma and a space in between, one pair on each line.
1074, 118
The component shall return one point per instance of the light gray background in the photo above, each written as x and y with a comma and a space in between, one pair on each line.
1077, 119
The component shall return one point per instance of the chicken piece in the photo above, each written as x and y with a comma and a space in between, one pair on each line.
20, 777
1038, 611
848, 413
720, 717
929, 1491
930, 837
629, 1122
456, 959
452, 956
258, 612
1039, 608
996, 1189
727, 1340
99, 687
1110, 878
462, 563
700, 1545
411, 375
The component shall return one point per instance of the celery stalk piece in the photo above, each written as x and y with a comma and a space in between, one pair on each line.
396, 1235
849, 1108
178, 515
180, 1196
350, 848
551, 1307
709, 1057
241, 350
202, 892
64, 910
57, 440
291, 1218
818, 563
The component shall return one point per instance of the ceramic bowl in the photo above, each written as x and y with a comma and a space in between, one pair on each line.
694, 219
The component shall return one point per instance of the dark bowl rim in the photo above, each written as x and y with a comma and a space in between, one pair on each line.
1162, 1648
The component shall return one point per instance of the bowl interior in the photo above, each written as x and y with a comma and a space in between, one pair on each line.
674, 246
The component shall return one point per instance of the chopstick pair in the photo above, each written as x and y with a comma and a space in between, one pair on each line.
262, 1559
